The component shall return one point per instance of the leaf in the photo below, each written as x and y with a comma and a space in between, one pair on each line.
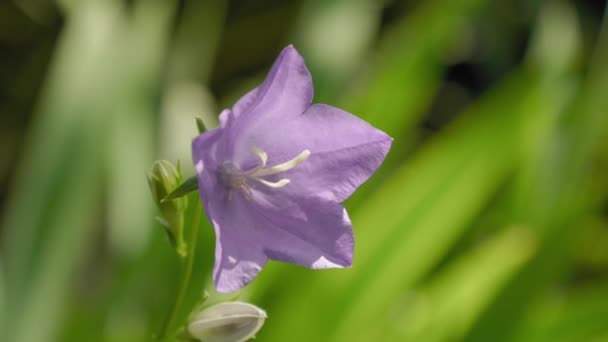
188, 186
446, 307
575, 314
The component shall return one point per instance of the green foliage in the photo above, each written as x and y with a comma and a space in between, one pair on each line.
489, 226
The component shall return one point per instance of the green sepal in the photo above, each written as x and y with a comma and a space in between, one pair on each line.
200, 125
163, 178
190, 185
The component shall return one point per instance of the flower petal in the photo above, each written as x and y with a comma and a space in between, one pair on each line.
287, 89
225, 117
239, 256
312, 232
245, 102
241, 106
345, 150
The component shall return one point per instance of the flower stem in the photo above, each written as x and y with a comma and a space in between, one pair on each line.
185, 269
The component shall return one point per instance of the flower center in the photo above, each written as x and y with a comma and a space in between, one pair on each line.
235, 179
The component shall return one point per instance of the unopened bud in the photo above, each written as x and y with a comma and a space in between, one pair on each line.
163, 178
227, 322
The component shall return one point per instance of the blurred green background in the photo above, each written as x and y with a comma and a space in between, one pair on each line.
487, 222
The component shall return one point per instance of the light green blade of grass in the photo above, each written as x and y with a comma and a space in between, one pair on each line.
403, 80
49, 135
129, 147
190, 64
445, 308
196, 40
409, 65
335, 37
556, 59
61, 182
123, 310
527, 114
130, 143
430, 228
44, 303
528, 117
399, 233
58, 152
561, 198
576, 315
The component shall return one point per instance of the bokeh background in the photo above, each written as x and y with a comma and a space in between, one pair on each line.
487, 222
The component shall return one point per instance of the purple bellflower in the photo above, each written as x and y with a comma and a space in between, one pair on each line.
273, 175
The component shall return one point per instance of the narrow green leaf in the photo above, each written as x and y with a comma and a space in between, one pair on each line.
577, 314
54, 207
425, 225
408, 70
188, 186
559, 199
446, 307
200, 125
47, 222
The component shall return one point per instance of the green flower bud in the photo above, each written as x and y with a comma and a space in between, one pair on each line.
163, 178
227, 322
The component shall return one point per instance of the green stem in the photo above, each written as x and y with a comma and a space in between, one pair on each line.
186, 272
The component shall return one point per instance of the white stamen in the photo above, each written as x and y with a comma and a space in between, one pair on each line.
275, 185
288, 165
261, 154
237, 180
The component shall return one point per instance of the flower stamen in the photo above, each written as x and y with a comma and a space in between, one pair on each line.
261, 154
236, 180
275, 185
288, 165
